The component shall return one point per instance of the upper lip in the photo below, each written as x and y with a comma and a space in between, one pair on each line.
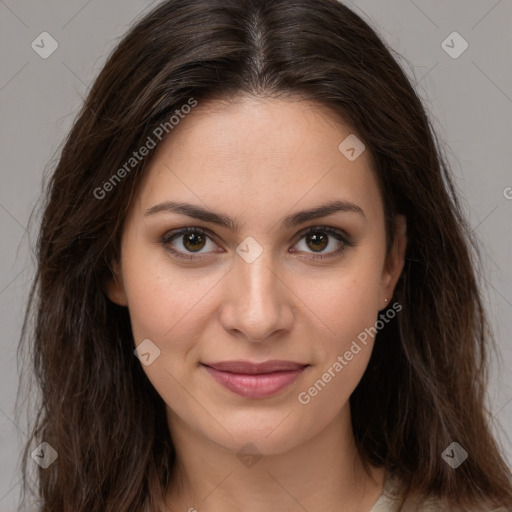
248, 367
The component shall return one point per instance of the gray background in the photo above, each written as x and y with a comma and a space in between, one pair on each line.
469, 99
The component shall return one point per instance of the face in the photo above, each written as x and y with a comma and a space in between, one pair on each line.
252, 280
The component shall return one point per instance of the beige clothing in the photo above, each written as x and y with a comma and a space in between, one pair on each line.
391, 499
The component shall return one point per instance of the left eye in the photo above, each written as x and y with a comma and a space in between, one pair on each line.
193, 240
318, 238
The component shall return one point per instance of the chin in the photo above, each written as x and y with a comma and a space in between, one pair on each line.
270, 436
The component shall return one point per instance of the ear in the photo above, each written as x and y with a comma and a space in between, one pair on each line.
394, 263
114, 288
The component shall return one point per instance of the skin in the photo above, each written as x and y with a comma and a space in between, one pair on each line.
257, 161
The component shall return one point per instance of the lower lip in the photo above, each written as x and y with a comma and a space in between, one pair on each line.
255, 386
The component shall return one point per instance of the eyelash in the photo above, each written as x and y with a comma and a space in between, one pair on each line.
336, 233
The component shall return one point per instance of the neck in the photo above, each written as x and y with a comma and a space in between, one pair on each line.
325, 473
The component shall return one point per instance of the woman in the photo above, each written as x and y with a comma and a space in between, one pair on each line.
255, 287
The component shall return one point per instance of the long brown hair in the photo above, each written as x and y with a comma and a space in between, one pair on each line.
97, 408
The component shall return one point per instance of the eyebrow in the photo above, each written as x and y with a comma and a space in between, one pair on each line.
198, 212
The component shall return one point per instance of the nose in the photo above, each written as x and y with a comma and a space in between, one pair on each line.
259, 302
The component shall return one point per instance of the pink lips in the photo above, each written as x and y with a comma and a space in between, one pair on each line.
255, 380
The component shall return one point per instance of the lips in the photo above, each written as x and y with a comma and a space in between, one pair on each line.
249, 368
255, 380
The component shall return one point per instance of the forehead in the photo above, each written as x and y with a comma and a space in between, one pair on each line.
260, 155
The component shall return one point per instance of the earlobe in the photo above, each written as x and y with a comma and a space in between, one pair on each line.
395, 261
114, 287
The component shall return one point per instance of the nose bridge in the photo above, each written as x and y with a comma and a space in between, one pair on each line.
260, 278
257, 278
259, 298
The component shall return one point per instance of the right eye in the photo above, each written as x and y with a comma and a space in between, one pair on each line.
191, 240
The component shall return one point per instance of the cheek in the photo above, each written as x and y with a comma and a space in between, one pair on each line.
345, 303
167, 308
347, 306
162, 298
343, 353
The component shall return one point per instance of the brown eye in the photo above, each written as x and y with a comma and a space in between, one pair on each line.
188, 243
318, 238
318, 241
193, 241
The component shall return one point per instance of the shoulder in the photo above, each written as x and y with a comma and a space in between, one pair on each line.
391, 499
